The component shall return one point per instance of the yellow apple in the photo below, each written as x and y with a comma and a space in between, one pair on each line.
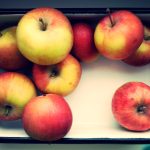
44, 36
16, 90
61, 78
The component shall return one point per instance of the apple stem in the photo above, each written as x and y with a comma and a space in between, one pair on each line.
7, 110
110, 18
43, 24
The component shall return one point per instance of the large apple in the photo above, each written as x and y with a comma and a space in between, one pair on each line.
10, 56
119, 34
44, 36
83, 47
142, 55
16, 90
61, 78
131, 106
47, 117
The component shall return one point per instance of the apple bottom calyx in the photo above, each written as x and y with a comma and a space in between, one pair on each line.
54, 71
7, 110
141, 109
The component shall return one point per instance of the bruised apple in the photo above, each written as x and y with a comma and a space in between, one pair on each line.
47, 117
131, 106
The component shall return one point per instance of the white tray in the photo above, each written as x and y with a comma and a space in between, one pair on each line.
90, 102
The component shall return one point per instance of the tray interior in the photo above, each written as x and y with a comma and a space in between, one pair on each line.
91, 100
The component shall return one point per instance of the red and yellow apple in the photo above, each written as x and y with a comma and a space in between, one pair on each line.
10, 56
16, 90
61, 78
47, 118
44, 36
83, 47
142, 55
118, 35
131, 106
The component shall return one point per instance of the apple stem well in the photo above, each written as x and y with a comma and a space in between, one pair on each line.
110, 17
43, 24
7, 110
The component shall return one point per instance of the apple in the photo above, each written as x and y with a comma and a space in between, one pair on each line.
131, 106
16, 90
47, 117
44, 36
118, 35
83, 47
141, 56
61, 78
10, 56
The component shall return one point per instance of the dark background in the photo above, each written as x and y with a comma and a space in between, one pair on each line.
15, 4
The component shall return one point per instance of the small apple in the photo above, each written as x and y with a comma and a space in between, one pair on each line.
131, 106
16, 90
61, 78
10, 56
118, 35
84, 48
142, 55
47, 117
44, 36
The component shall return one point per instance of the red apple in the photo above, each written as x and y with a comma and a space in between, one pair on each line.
16, 90
10, 56
44, 36
142, 55
119, 34
131, 106
47, 118
84, 48
61, 78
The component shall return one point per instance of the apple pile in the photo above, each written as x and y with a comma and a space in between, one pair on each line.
40, 43
47, 41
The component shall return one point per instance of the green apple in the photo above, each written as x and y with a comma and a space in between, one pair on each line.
16, 90
44, 36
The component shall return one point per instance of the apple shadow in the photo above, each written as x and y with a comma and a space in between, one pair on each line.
121, 128
15, 124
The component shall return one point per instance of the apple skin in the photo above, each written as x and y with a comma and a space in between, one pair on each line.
61, 78
131, 106
47, 117
84, 48
44, 36
119, 41
141, 56
16, 90
11, 58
